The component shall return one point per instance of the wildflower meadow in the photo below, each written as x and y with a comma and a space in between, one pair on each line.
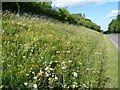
40, 52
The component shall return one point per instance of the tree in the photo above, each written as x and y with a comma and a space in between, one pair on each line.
63, 14
114, 25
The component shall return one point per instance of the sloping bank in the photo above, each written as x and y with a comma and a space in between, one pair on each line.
44, 53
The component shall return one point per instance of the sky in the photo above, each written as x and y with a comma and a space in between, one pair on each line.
100, 12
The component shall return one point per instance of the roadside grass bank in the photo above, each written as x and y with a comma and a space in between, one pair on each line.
111, 63
43, 53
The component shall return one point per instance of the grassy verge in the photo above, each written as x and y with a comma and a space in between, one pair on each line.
111, 63
43, 53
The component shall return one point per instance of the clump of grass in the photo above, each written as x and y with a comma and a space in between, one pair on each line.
41, 53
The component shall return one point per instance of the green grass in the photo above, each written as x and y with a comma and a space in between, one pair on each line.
111, 64
44, 53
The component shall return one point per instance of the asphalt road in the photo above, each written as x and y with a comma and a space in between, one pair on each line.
115, 39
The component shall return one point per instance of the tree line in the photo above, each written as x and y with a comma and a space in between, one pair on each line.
114, 26
45, 8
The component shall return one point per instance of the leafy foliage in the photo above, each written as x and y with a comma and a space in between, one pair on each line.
114, 26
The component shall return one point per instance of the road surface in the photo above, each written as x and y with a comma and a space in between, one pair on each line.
115, 39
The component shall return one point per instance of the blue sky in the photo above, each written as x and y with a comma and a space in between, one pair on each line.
99, 12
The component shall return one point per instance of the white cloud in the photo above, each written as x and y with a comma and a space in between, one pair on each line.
113, 13
78, 3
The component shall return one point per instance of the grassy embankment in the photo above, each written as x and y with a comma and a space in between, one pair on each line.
46, 53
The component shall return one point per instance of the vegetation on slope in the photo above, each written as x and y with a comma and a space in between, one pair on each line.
45, 8
44, 53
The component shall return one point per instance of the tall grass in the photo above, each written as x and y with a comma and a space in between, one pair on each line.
43, 53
